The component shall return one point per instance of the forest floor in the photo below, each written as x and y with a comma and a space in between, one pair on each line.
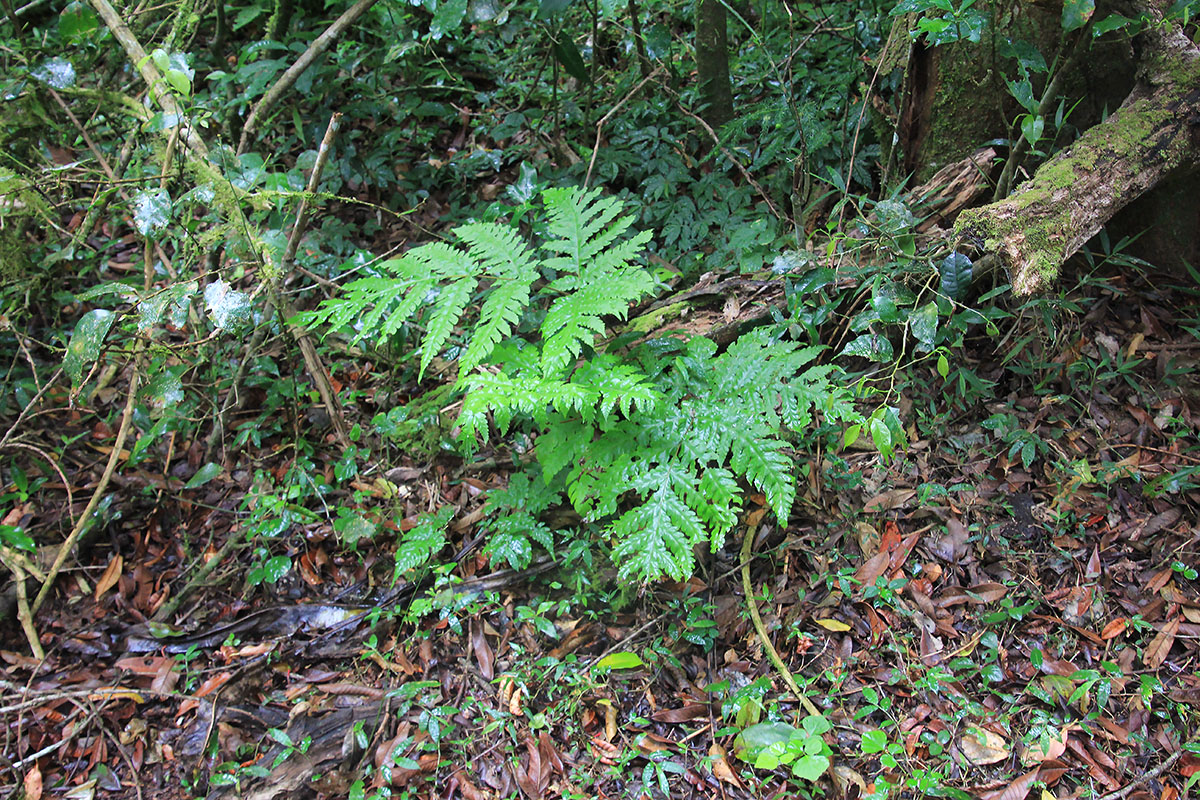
1012, 607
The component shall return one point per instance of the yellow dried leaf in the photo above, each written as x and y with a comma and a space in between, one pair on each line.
835, 625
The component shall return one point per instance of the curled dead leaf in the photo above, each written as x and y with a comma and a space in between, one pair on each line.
720, 766
982, 746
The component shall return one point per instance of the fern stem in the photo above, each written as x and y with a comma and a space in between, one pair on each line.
761, 630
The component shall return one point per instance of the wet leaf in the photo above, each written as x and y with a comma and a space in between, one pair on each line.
86, 341
955, 272
151, 211
624, 660
228, 308
1076, 13
203, 475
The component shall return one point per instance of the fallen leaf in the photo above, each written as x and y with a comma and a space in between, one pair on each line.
835, 625
684, 714
886, 501
982, 746
112, 574
721, 768
1017, 789
1114, 628
845, 779
33, 783
1160, 645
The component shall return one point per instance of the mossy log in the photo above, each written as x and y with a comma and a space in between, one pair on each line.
1153, 135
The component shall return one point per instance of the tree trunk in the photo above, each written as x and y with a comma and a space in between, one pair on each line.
1153, 135
712, 63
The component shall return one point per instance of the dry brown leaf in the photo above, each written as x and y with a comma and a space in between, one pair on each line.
610, 721
1114, 628
721, 768
844, 779
1016, 790
33, 783
886, 501
1160, 645
1160, 579
469, 790
112, 574
483, 651
982, 746
684, 714
874, 566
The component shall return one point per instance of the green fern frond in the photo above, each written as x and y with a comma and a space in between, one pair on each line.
656, 538
422, 542
450, 305
577, 222
512, 269
575, 320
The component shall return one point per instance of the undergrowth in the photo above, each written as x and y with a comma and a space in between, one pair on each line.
653, 440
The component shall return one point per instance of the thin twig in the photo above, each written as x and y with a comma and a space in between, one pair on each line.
604, 120
314, 180
69, 545
1127, 789
293, 73
761, 630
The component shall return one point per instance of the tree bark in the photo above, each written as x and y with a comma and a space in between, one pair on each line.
712, 63
1153, 135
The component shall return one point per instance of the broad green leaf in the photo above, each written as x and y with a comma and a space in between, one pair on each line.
525, 188
355, 528
1032, 127
447, 18
754, 741
923, 324
552, 8
1113, 22
77, 21
13, 536
151, 210
86, 341
568, 55
227, 308
275, 568
955, 272
203, 475
874, 346
164, 391
623, 660
1076, 13
943, 366
874, 741
179, 81
810, 767
882, 437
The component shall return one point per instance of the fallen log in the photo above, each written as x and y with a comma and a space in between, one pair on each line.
1153, 135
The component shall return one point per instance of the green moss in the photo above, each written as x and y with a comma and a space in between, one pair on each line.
652, 320
425, 427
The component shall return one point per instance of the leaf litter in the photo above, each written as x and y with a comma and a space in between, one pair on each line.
1012, 612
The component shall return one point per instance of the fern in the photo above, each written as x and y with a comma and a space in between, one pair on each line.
654, 446
591, 258
422, 542
676, 467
